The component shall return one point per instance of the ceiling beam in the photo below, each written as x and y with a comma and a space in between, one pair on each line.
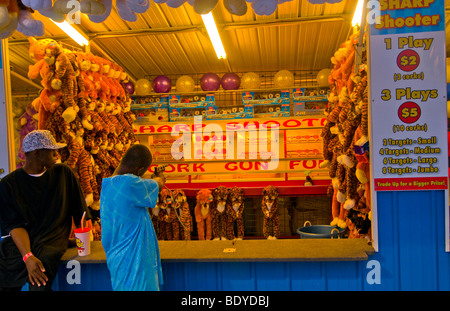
26, 80
201, 28
226, 26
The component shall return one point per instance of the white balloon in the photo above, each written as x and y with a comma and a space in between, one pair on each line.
283, 79
322, 77
250, 80
142, 87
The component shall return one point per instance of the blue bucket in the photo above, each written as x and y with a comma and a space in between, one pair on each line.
319, 231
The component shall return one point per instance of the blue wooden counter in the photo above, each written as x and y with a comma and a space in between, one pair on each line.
411, 256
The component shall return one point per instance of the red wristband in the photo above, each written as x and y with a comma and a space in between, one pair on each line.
27, 256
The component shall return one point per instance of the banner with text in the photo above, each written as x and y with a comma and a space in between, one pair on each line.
409, 96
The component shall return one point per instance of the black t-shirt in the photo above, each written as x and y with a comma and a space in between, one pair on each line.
44, 206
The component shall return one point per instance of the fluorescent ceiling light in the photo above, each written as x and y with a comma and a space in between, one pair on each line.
213, 34
358, 13
72, 32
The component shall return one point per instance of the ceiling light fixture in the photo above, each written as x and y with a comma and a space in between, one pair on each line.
358, 13
213, 34
72, 32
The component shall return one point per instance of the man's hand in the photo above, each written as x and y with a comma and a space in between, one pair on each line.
36, 271
159, 177
34, 266
159, 171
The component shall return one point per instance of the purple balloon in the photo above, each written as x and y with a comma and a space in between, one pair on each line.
129, 87
210, 82
230, 81
162, 84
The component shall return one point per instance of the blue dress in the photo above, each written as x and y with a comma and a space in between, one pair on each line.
128, 236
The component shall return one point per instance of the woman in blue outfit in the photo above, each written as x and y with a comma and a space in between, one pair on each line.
128, 236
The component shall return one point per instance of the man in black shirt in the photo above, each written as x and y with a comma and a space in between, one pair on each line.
37, 203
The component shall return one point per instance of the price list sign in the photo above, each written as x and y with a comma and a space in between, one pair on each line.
408, 93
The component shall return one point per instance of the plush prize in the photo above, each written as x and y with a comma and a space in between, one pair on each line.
168, 216
28, 122
203, 214
269, 206
62, 70
236, 211
219, 213
185, 217
80, 161
158, 225
9, 17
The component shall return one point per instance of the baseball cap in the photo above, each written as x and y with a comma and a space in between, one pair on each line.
40, 139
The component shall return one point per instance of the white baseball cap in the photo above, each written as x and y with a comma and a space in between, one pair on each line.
40, 139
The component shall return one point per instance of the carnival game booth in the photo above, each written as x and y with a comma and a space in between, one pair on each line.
271, 180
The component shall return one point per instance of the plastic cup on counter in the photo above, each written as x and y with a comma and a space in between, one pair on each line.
82, 237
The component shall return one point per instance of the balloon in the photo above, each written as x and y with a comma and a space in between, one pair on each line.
142, 87
129, 86
162, 84
210, 82
175, 3
230, 81
185, 84
264, 7
236, 7
250, 80
283, 79
204, 6
322, 77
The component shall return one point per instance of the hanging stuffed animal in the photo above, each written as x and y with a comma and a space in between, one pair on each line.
168, 216
219, 213
154, 215
203, 214
185, 217
270, 211
80, 161
236, 211
49, 98
9, 17
27, 123
63, 71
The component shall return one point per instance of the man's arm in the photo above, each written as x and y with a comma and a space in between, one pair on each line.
34, 265
161, 182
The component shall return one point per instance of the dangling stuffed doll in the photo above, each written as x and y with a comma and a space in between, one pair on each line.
182, 208
235, 212
219, 213
63, 71
203, 214
27, 123
80, 161
167, 215
270, 211
154, 215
